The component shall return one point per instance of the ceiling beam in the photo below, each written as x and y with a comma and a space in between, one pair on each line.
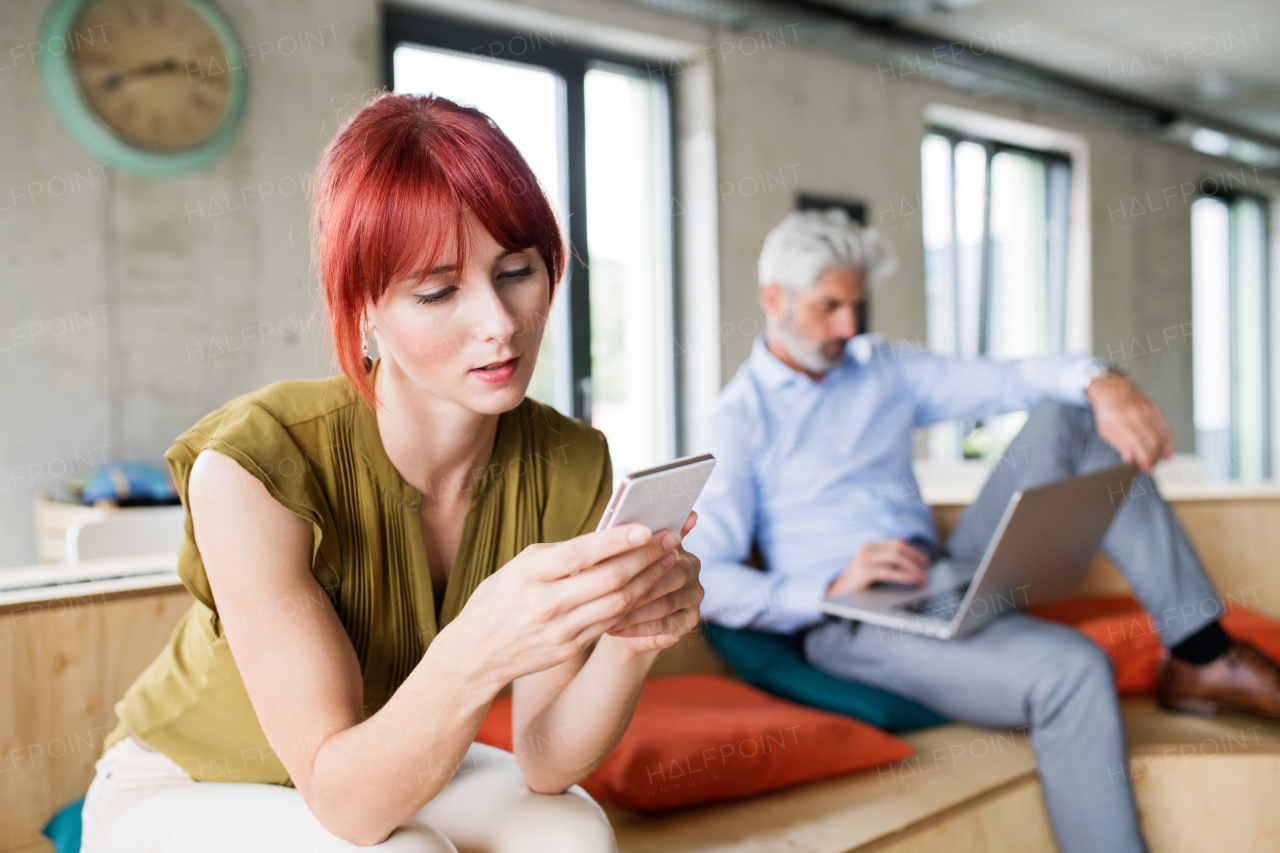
883, 40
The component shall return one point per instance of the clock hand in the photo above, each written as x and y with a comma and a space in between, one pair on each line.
167, 66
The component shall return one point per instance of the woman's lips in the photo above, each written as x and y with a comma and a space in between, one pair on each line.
498, 373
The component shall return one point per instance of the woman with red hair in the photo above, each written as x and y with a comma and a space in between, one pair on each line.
375, 556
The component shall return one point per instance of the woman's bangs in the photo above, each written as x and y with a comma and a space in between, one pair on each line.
424, 233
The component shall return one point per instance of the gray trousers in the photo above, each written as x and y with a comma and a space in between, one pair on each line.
1024, 672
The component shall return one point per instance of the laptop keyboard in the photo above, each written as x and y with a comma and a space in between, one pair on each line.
940, 605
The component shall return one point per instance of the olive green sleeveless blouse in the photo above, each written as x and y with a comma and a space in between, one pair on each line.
315, 446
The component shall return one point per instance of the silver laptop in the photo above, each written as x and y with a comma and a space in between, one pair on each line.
1043, 546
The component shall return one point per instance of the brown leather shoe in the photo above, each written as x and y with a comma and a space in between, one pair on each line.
1242, 681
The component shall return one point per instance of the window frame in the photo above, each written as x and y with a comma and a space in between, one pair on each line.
401, 26
1267, 411
1057, 296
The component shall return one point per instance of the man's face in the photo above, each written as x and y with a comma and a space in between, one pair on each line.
815, 324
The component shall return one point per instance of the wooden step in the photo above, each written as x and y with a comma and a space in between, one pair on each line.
1201, 784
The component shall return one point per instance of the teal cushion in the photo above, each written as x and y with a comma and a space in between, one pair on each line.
63, 829
776, 664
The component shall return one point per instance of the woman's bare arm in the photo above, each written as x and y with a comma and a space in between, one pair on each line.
363, 777
567, 719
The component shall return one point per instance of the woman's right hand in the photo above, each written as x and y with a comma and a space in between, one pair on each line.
553, 600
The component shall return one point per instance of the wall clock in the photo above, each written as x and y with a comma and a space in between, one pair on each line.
154, 87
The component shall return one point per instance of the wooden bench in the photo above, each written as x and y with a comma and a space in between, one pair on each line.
1202, 784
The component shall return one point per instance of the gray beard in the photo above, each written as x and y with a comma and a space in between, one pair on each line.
803, 351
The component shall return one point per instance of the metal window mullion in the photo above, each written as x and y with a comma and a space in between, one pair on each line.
675, 293
579, 258
957, 320
1057, 177
1264, 296
984, 287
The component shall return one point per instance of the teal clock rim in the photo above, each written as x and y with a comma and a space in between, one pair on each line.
90, 132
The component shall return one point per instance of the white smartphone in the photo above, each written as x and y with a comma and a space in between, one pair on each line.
660, 498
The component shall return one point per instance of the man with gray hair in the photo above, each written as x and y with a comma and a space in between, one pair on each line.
813, 442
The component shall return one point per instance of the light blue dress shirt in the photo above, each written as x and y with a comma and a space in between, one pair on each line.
811, 471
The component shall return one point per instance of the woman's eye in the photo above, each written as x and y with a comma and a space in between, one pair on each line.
428, 298
524, 272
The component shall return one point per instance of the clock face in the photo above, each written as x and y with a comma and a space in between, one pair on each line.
153, 71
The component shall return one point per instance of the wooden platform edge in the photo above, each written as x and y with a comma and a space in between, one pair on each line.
965, 806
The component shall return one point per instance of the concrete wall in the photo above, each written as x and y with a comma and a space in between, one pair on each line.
130, 307
122, 300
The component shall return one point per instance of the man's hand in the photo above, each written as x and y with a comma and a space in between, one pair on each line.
891, 560
1130, 421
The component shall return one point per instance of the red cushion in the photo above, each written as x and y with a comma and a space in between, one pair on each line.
1127, 634
698, 738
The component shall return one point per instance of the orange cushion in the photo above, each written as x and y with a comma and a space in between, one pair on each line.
698, 738
1127, 633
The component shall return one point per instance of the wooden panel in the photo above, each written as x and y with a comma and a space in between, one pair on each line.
1010, 821
44, 845
1238, 541
1199, 803
1185, 804
61, 672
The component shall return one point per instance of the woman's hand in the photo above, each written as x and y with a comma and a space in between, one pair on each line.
669, 610
553, 600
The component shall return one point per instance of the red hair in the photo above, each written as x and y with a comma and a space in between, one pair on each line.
390, 196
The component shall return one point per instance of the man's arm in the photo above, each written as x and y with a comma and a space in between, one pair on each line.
738, 596
971, 389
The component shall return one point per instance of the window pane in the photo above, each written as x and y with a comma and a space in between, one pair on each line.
1211, 334
995, 239
1249, 350
1019, 258
627, 211
939, 255
971, 198
943, 310
527, 103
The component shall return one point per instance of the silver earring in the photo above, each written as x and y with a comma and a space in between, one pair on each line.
364, 349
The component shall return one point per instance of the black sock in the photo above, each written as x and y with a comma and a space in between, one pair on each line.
1204, 646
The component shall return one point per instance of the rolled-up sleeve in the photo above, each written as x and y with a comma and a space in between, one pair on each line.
946, 388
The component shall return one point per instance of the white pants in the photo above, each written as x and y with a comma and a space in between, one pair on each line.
142, 802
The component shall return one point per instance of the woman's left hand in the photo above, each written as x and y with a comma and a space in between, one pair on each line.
670, 609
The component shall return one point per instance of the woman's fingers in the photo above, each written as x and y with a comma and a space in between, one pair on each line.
682, 568
616, 604
681, 599
562, 559
688, 524
673, 625
610, 588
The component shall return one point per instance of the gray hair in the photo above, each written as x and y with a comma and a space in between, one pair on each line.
807, 243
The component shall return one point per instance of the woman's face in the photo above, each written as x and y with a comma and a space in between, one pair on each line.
471, 335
